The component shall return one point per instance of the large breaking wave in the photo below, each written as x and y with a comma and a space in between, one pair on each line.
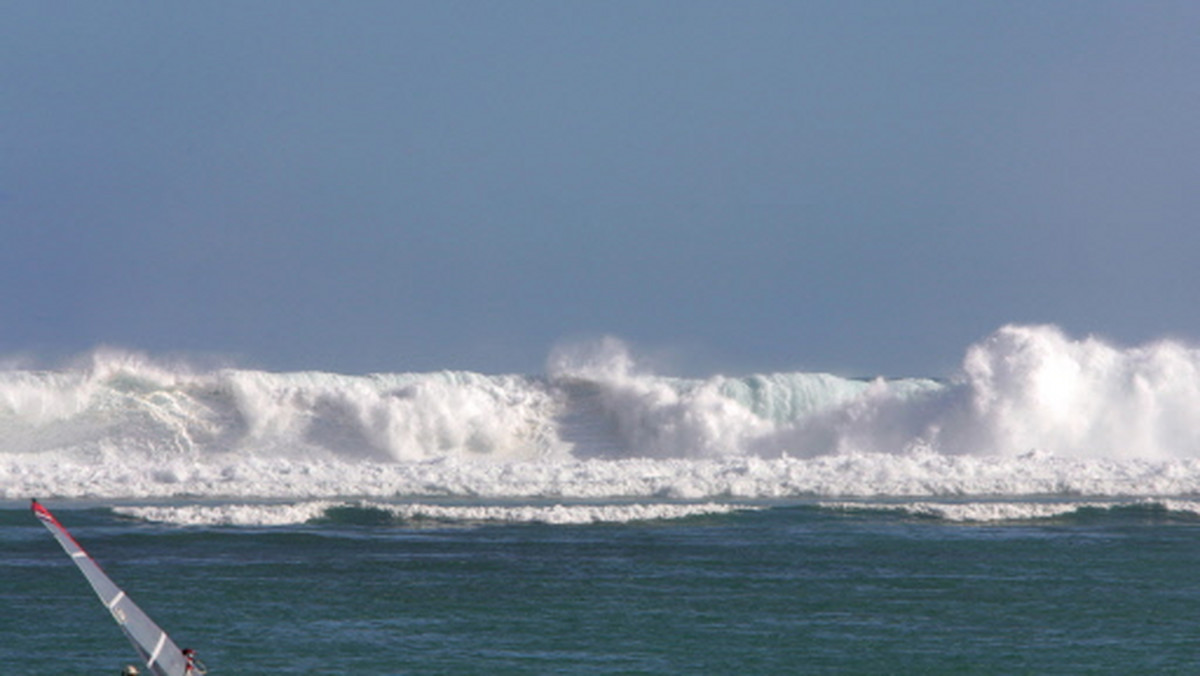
1032, 411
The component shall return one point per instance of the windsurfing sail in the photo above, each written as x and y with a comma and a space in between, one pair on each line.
160, 653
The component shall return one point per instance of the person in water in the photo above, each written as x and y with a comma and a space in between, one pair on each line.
194, 666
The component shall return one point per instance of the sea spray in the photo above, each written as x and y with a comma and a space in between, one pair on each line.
653, 416
393, 417
1031, 411
1033, 387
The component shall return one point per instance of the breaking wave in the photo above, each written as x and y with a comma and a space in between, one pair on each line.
1031, 411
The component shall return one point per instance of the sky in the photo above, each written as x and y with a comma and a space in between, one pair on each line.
858, 187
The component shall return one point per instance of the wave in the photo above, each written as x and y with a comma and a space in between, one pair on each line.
377, 513
1032, 511
1032, 410
409, 514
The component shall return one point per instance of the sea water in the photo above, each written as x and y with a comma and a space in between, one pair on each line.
769, 588
1036, 512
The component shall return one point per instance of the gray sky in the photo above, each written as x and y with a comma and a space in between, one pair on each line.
860, 187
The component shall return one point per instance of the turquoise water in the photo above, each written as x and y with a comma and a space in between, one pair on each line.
786, 588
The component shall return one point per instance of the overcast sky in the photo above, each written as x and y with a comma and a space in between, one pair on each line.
857, 187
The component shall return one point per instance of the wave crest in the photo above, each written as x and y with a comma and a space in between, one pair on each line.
1025, 396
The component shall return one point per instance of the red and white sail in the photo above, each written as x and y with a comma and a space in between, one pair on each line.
160, 653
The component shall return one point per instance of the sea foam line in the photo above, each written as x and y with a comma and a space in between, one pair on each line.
990, 512
913, 475
262, 515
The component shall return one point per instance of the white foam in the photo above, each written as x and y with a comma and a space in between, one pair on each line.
973, 511
230, 515
863, 475
1029, 510
1034, 387
303, 512
1032, 412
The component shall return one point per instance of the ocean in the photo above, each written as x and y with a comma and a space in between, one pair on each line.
1037, 512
